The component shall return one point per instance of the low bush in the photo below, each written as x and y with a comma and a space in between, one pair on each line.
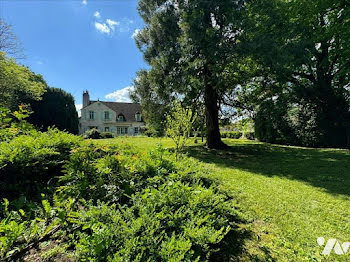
175, 222
112, 203
93, 134
105, 135
111, 174
250, 135
29, 162
237, 135
231, 134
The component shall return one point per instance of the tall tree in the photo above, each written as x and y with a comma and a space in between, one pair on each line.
188, 45
9, 42
18, 84
57, 108
303, 49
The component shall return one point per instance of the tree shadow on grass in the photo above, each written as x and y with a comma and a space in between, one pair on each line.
323, 168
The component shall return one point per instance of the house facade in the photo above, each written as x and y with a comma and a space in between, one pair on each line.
117, 118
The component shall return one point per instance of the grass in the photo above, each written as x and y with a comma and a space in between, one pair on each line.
291, 195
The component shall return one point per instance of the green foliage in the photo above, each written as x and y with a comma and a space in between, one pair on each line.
180, 125
111, 174
119, 203
55, 109
107, 135
30, 161
188, 46
300, 52
140, 206
231, 134
305, 124
15, 230
172, 223
13, 123
93, 134
18, 85
151, 131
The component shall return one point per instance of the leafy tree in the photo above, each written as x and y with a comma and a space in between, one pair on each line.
245, 125
303, 52
18, 85
188, 44
180, 125
14, 123
9, 42
153, 110
57, 108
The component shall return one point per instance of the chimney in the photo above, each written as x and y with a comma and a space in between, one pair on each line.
86, 98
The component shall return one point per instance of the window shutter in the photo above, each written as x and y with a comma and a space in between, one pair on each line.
103, 115
95, 115
86, 114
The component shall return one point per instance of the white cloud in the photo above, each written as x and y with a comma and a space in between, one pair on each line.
78, 108
136, 32
125, 25
109, 26
111, 23
122, 95
97, 14
103, 28
84, 2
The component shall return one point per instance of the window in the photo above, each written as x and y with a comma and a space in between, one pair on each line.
138, 117
91, 115
107, 129
121, 118
107, 115
122, 130
136, 130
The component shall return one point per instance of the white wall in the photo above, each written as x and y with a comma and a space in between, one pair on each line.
100, 123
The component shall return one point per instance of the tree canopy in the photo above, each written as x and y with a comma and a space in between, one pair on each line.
188, 45
56, 108
303, 51
284, 63
18, 84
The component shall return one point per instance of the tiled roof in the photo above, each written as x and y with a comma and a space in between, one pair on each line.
128, 110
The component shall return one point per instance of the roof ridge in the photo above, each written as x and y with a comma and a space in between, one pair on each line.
114, 102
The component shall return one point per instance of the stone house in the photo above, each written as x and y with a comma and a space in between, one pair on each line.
117, 118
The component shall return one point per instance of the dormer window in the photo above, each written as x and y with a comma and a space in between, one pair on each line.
138, 117
121, 118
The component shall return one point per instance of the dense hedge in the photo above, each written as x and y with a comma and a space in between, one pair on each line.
237, 135
303, 124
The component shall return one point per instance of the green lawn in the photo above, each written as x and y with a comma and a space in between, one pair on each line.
290, 195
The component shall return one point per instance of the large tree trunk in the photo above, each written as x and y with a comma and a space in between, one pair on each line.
212, 119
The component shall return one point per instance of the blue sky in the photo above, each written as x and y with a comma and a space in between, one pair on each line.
79, 44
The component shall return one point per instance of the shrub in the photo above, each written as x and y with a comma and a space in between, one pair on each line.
30, 161
111, 173
13, 124
93, 134
107, 135
231, 134
179, 126
250, 135
120, 204
175, 222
